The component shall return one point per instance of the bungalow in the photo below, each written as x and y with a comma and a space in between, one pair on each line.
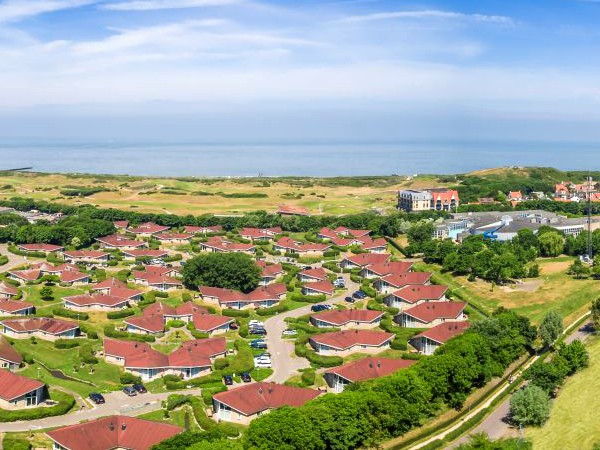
211, 323
346, 242
96, 302
112, 432
327, 233
260, 234
270, 272
363, 260
15, 308
203, 230
42, 248
144, 253
87, 257
217, 244
7, 290
67, 273
158, 278
355, 233
393, 282
42, 327
289, 210
121, 224
312, 275
116, 288
261, 297
347, 318
416, 294
145, 324
246, 403
430, 314
288, 245
148, 229
174, 238
24, 276
115, 241
387, 268
378, 245
368, 368
9, 357
318, 288
429, 340
344, 343
19, 392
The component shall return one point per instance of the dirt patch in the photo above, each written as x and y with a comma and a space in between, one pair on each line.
554, 267
525, 286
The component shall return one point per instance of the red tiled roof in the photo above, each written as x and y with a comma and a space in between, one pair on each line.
320, 286
416, 293
40, 247
290, 244
365, 259
121, 223
195, 229
13, 386
209, 322
8, 353
404, 279
115, 240
294, 210
254, 233
373, 243
109, 283
114, 432
317, 273
96, 299
269, 270
114, 347
12, 306
328, 233
224, 245
70, 276
85, 254
270, 292
443, 332
344, 242
125, 293
28, 275
343, 340
147, 358
339, 318
429, 311
208, 347
152, 323
359, 233
387, 268
444, 195
253, 398
146, 252
173, 236
46, 324
370, 368
8, 289
148, 228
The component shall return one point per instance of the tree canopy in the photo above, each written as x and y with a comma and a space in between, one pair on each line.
225, 270
550, 328
530, 406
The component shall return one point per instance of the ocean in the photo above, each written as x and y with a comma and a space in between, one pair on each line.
293, 159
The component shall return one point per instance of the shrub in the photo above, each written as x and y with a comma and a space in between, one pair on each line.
64, 405
236, 312
186, 297
111, 332
88, 330
221, 363
66, 343
120, 314
308, 377
46, 293
297, 297
129, 378
63, 312
14, 443
161, 294
272, 310
176, 323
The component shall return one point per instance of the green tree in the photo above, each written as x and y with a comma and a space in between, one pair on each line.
575, 355
225, 270
550, 328
420, 233
46, 293
595, 314
551, 244
530, 406
481, 441
579, 270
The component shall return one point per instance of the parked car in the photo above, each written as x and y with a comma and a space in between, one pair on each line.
260, 331
255, 322
140, 388
258, 344
263, 362
130, 391
359, 294
289, 333
350, 299
317, 308
233, 326
263, 354
339, 284
246, 378
97, 398
227, 380
328, 307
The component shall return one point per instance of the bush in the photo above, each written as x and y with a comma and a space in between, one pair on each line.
272, 310
236, 312
66, 343
64, 405
176, 323
120, 314
186, 297
221, 363
530, 406
63, 312
14, 443
88, 330
308, 377
297, 297
3, 259
129, 378
111, 332
46, 293
87, 354
161, 294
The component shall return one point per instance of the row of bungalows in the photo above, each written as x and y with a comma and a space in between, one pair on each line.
147, 229
158, 278
316, 282
192, 359
288, 245
363, 260
40, 248
46, 328
328, 233
7, 291
10, 307
87, 257
218, 244
261, 297
10, 359
174, 238
120, 242
156, 316
108, 295
66, 273
244, 404
150, 253
269, 273
347, 318
344, 237
346, 342
260, 234
193, 229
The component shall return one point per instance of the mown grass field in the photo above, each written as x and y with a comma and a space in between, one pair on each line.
198, 196
574, 420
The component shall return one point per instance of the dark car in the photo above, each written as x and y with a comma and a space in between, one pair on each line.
317, 308
350, 299
257, 330
259, 344
246, 378
359, 295
228, 380
140, 388
130, 391
307, 267
97, 398
233, 326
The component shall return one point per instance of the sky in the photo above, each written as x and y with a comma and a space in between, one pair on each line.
300, 70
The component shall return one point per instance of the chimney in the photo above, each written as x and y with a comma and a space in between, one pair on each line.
260, 390
123, 426
378, 363
112, 426
270, 389
371, 365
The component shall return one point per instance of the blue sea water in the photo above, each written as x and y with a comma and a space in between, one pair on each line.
297, 159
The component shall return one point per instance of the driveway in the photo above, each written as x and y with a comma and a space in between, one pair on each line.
116, 403
13, 260
283, 360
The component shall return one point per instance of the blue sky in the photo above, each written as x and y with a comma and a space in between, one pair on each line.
357, 70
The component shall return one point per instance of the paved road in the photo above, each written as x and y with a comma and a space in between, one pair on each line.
284, 362
496, 425
13, 260
116, 403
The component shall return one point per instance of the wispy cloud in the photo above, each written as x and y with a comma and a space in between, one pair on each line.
153, 5
15, 10
428, 14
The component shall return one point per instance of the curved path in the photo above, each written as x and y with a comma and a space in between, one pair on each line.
116, 403
284, 362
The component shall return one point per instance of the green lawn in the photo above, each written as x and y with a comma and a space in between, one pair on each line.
176, 417
574, 420
32, 294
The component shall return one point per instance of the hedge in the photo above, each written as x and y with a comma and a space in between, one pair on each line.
14, 443
87, 354
236, 312
272, 310
120, 314
63, 312
88, 330
64, 405
112, 332
297, 297
129, 378
66, 343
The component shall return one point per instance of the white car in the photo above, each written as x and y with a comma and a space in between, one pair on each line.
263, 362
255, 323
289, 333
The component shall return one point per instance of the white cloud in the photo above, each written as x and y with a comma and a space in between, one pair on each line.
153, 5
15, 10
428, 14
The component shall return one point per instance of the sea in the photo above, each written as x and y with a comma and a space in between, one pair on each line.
321, 159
